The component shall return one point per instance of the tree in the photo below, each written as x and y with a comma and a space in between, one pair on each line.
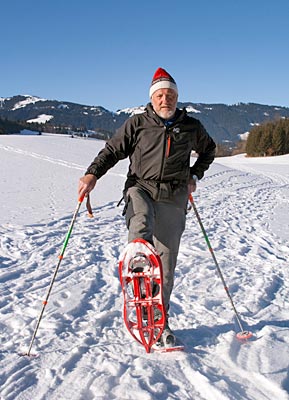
269, 139
279, 140
253, 141
265, 145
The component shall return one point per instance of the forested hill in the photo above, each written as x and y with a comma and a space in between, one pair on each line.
223, 122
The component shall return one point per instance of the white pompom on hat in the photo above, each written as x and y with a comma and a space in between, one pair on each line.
162, 80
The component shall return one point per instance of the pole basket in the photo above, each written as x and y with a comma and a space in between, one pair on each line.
244, 335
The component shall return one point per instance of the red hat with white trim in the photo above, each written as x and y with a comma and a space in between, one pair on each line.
162, 80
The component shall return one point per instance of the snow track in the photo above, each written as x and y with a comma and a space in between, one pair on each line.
84, 351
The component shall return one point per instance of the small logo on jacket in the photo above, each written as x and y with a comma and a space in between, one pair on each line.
176, 130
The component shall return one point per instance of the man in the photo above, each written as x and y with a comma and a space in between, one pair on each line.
158, 143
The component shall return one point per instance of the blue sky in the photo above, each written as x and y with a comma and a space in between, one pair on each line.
106, 52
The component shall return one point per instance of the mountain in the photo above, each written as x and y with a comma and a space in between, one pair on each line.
63, 115
223, 122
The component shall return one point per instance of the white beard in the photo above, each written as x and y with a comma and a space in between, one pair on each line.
168, 114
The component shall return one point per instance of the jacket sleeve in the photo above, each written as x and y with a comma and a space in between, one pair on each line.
206, 149
117, 148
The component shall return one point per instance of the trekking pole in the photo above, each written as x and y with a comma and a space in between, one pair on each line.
243, 334
60, 258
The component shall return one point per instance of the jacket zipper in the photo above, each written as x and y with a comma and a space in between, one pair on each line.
168, 146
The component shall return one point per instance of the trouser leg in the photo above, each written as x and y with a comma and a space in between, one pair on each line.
160, 223
140, 215
169, 227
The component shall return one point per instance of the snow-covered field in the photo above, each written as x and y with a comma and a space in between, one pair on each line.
84, 351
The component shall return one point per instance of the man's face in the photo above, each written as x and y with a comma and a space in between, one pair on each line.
164, 102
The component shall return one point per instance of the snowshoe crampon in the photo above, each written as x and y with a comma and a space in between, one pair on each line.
168, 342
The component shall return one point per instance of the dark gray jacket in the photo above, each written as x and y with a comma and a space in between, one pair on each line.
157, 153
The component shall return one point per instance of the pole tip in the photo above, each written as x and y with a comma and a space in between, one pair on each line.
28, 355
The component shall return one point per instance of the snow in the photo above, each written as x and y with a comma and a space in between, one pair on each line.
244, 136
29, 100
191, 109
132, 110
41, 119
3, 99
84, 351
98, 111
63, 106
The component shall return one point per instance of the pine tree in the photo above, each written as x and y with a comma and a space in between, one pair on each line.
265, 145
253, 141
279, 140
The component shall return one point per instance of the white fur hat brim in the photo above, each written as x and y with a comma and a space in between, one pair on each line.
163, 84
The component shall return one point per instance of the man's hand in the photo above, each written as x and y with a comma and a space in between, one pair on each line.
86, 184
192, 186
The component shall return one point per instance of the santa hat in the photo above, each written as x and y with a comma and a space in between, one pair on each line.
162, 80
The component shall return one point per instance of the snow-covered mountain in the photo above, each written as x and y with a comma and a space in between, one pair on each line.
84, 351
64, 115
223, 122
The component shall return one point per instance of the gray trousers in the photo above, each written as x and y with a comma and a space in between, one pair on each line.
160, 223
